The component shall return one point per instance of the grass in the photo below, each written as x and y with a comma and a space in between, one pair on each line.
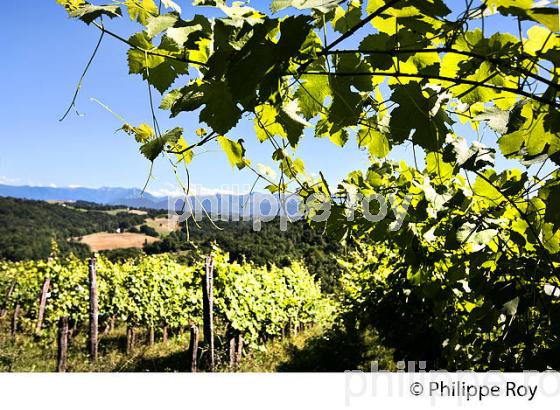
277, 352
24, 353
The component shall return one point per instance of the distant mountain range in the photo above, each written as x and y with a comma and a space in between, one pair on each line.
257, 204
106, 196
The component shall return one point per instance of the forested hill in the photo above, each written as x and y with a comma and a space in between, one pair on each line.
268, 246
27, 227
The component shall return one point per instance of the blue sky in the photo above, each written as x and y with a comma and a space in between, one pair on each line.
44, 55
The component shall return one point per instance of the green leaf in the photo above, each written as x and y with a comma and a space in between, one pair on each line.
486, 190
221, 112
180, 35
293, 33
266, 124
497, 119
159, 24
143, 132
141, 10
189, 98
292, 122
545, 16
71, 5
152, 149
88, 12
472, 158
379, 42
551, 238
160, 71
311, 94
417, 113
211, 3
182, 152
375, 141
436, 166
340, 138
292, 168
234, 151
345, 108
478, 240
344, 20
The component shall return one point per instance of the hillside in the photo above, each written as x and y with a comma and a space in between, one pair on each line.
27, 227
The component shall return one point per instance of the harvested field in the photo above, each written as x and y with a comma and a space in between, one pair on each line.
102, 241
137, 212
163, 225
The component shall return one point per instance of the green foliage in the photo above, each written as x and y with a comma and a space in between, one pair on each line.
158, 291
468, 261
145, 229
270, 246
478, 246
88, 13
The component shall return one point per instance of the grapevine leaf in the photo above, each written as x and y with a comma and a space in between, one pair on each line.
141, 10
180, 35
71, 5
497, 119
379, 42
415, 115
153, 148
311, 94
158, 24
88, 12
160, 71
221, 112
375, 141
143, 133
234, 151
344, 20
467, 234
472, 158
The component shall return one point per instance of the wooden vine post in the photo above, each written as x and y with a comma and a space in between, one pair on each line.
42, 304
151, 336
193, 349
15, 317
232, 351
130, 339
235, 350
93, 310
62, 357
238, 350
4, 310
208, 308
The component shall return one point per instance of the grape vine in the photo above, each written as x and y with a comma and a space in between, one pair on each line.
477, 254
159, 292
